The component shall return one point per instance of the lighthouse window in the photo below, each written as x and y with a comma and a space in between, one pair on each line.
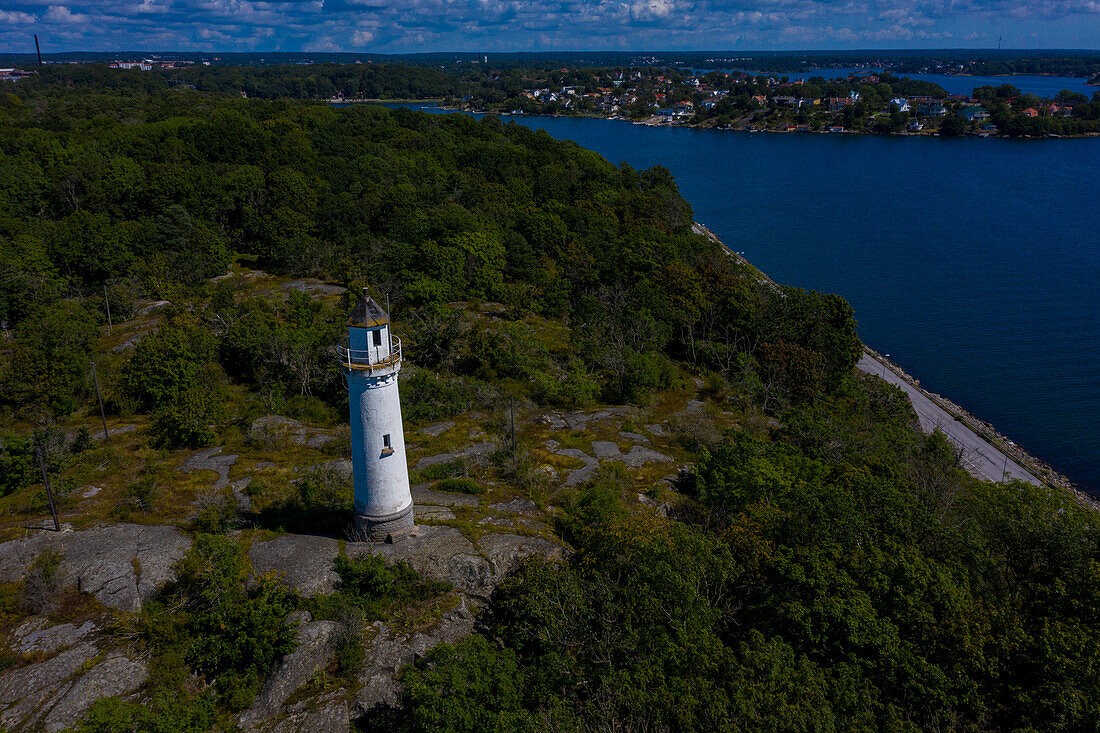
378, 337
386, 440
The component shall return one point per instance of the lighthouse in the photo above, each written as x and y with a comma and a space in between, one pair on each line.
371, 360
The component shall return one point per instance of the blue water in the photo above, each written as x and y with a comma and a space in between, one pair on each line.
1042, 86
975, 263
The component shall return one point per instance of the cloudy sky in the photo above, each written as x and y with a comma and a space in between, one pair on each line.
403, 26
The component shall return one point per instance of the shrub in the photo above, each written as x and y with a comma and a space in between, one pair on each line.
41, 582
375, 588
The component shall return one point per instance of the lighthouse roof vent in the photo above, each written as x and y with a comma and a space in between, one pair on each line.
368, 314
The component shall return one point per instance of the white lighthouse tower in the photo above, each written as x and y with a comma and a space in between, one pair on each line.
371, 361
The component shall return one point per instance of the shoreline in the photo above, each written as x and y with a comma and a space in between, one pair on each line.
1043, 473
655, 122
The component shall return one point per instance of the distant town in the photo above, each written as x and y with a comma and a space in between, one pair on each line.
859, 102
869, 95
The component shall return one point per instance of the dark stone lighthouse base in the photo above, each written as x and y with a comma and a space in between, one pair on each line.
386, 528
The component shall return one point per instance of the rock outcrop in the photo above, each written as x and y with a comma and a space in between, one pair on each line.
54, 693
311, 652
121, 565
302, 562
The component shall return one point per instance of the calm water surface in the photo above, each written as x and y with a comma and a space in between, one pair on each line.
975, 263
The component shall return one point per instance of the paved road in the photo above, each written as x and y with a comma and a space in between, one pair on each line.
979, 457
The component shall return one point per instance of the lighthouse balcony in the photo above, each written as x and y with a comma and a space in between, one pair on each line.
372, 360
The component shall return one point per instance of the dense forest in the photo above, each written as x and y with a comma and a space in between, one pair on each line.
822, 566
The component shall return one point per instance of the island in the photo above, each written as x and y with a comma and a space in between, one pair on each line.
652, 489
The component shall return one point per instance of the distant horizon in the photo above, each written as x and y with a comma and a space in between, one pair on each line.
808, 52
507, 26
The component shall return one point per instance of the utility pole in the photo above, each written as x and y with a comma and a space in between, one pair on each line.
49, 492
107, 301
99, 397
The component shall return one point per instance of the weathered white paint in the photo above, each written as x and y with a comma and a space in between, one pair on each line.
381, 475
362, 341
371, 363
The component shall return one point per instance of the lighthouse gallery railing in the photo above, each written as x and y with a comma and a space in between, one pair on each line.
373, 359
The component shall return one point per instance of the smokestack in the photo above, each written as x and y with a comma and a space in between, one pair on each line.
37, 49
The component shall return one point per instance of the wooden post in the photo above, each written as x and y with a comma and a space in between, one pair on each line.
108, 302
49, 492
99, 397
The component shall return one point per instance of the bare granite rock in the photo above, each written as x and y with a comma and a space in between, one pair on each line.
516, 506
439, 553
476, 453
506, 551
40, 678
121, 565
313, 287
37, 635
302, 562
273, 427
437, 429
311, 652
116, 675
210, 460
580, 475
638, 456
328, 713
423, 494
430, 512
27, 693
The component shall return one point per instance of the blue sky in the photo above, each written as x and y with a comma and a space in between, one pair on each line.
391, 26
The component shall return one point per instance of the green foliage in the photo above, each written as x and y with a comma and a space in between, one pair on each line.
839, 573
167, 363
441, 686
229, 634
374, 587
17, 463
50, 360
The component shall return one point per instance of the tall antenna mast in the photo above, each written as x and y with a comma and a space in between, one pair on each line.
37, 49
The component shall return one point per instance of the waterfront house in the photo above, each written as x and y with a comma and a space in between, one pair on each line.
971, 113
802, 128
902, 103
838, 103
1030, 112
835, 128
931, 109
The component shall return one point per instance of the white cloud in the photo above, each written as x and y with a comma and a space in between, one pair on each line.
61, 14
361, 38
14, 17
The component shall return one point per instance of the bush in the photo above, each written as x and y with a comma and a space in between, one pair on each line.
41, 581
230, 635
375, 588
468, 687
190, 418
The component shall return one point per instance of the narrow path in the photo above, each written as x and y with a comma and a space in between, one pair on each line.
980, 458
